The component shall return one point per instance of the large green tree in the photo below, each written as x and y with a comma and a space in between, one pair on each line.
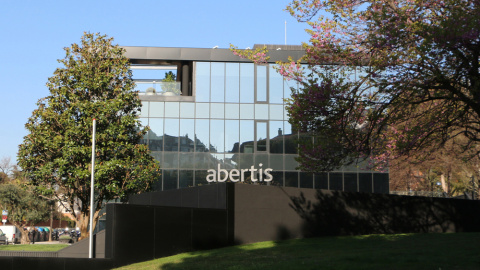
24, 207
93, 82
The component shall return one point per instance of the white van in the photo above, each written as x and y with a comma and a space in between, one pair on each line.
9, 231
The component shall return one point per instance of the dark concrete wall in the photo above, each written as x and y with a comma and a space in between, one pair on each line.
81, 248
209, 196
137, 232
273, 213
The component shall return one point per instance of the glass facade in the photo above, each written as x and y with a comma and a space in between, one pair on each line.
236, 121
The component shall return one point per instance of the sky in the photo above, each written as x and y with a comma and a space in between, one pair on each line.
33, 35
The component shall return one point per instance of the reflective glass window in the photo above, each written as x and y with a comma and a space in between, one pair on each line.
185, 179
218, 82
276, 112
170, 179
170, 160
365, 182
261, 136
276, 162
247, 80
217, 137
218, 110
232, 136
380, 183
155, 134
291, 179
187, 134
172, 109
277, 178
171, 134
245, 161
276, 137
261, 111
261, 83
230, 161
202, 82
246, 111
201, 178
144, 109
187, 110
232, 82
306, 180
202, 110
336, 181
186, 160
232, 111
321, 180
203, 161
202, 133
275, 86
157, 109
246, 136
290, 139
290, 162
350, 182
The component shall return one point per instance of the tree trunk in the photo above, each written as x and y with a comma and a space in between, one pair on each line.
84, 221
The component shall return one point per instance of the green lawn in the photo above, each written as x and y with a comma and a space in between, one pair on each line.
35, 247
401, 251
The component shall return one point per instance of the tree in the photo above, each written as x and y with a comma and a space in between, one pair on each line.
386, 79
94, 82
24, 207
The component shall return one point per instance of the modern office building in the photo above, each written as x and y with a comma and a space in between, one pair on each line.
216, 117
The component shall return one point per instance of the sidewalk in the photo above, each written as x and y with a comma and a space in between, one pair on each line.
47, 243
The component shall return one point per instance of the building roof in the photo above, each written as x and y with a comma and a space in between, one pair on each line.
147, 54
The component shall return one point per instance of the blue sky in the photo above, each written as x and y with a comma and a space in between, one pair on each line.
34, 33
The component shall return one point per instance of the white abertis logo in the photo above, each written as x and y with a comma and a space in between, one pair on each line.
235, 175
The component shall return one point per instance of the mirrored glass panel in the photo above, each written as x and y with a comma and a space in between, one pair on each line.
350, 182
155, 135
261, 136
187, 135
291, 179
157, 109
321, 180
186, 160
187, 110
171, 134
232, 111
261, 111
202, 133
172, 109
276, 112
217, 137
170, 160
306, 180
276, 162
275, 86
218, 82
247, 80
202, 110
185, 178
201, 178
246, 111
365, 182
276, 137
290, 162
202, 82
144, 109
232, 82
246, 136
336, 181
290, 139
170, 180
203, 161
218, 110
261, 83
232, 136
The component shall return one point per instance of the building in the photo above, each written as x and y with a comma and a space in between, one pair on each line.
216, 117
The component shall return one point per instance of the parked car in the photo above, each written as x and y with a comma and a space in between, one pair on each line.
3, 238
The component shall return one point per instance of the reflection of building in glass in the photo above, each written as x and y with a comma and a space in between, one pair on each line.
207, 107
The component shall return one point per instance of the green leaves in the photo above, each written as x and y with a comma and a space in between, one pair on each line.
93, 82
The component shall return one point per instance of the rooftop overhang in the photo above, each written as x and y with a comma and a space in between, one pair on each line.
152, 54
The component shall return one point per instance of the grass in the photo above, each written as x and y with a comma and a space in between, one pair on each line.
399, 251
39, 247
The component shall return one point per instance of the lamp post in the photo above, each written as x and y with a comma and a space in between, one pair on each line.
92, 193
